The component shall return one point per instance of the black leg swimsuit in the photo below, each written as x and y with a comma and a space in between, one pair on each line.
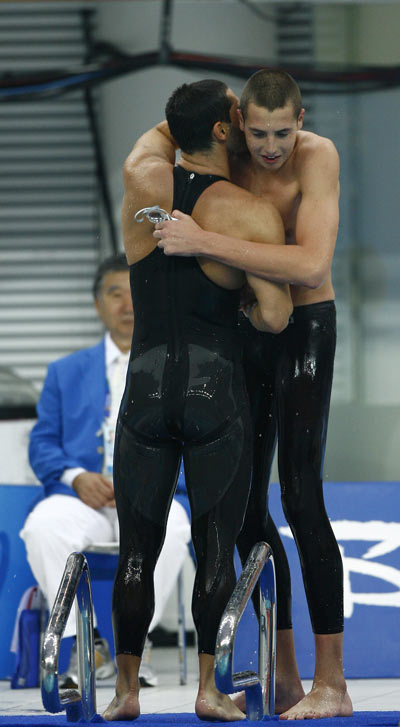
185, 395
289, 379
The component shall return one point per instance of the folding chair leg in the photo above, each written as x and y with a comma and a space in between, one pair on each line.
181, 632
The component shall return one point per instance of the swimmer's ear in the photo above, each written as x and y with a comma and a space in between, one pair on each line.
221, 130
300, 119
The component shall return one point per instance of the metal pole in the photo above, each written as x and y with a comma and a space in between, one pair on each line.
181, 631
85, 645
259, 687
165, 31
81, 703
267, 636
97, 146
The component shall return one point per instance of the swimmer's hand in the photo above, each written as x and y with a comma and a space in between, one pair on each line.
181, 236
247, 299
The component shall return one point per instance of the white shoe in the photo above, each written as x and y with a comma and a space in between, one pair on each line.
105, 667
103, 661
147, 677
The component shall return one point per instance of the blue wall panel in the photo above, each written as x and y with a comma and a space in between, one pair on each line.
366, 520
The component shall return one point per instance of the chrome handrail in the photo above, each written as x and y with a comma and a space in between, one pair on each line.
259, 687
81, 702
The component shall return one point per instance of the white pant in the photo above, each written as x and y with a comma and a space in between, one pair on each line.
60, 525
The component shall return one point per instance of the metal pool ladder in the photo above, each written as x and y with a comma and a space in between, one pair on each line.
259, 687
78, 703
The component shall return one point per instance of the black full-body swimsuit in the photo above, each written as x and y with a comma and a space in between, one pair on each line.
185, 395
289, 379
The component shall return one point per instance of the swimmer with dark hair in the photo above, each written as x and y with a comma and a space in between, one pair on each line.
185, 393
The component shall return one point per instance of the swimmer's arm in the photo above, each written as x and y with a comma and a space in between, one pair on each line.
157, 144
318, 214
270, 302
128, 211
220, 208
273, 304
270, 313
144, 170
307, 263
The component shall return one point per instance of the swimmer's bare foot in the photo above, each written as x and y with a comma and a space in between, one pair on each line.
288, 689
240, 700
125, 704
286, 696
123, 707
218, 707
322, 701
211, 704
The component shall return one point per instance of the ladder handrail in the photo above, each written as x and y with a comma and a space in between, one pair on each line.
74, 583
259, 687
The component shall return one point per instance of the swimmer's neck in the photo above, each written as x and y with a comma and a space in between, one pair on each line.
214, 163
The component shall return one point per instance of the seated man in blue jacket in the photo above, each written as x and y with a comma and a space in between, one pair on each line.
71, 451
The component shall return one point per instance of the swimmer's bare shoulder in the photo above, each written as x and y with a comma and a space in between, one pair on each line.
314, 154
228, 209
147, 177
231, 210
